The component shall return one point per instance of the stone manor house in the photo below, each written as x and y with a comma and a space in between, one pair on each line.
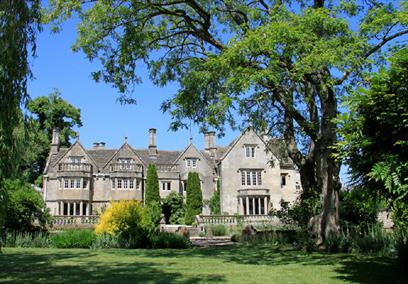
254, 174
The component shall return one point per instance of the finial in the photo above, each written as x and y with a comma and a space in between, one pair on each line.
77, 135
126, 139
191, 138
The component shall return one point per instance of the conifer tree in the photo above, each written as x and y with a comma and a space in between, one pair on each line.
152, 186
215, 202
194, 200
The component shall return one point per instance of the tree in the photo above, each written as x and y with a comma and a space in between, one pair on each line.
215, 201
280, 64
24, 208
152, 194
375, 135
49, 112
194, 200
19, 23
173, 208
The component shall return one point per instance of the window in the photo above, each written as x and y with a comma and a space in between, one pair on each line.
166, 185
125, 183
71, 183
257, 205
113, 183
125, 163
75, 159
251, 177
137, 184
283, 180
119, 181
297, 186
131, 183
191, 162
85, 184
66, 183
78, 183
250, 151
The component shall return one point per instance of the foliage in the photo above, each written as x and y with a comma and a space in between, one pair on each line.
401, 245
152, 185
27, 240
169, 240
19, 23
47, 113
218, 230
104, 241
281, 65
359, 207
194, 200
25, 208
130, 222
375, 134
173, 208
75, 238
215, 201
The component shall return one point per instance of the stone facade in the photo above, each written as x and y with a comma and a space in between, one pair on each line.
254, 175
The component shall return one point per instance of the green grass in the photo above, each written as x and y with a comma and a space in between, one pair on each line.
237, 264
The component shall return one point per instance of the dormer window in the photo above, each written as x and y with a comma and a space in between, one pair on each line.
250, 151
191, 163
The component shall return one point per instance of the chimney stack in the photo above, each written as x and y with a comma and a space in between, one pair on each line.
55, 142
209, 144
152, 142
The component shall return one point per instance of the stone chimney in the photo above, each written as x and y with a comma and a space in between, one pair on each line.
95, 145
152, 142
55, 142
209, 143
102, 144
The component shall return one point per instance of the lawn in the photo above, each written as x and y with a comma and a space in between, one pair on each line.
238, 264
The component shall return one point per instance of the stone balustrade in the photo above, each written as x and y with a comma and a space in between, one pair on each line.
166, 168
121, 167
237, 219
75, 221
74, 167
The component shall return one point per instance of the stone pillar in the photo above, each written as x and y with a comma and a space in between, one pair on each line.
61, 208
69, 208
259, 206
241, 206
247, 205
74, 211
82, 183
87, 209
265, 205
253, 206
81, 211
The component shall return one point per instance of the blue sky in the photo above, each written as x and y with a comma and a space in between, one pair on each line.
104, 119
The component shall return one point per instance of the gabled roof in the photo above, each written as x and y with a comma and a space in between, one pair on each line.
101, 156
233, 143
72, 146
191, 145
118, 151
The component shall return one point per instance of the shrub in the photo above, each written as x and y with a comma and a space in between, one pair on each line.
173, 208
130, 222
358, 207
24, 208
194, 201
169, 240
236, 238
401, 245
218, 230
152, 185
76, 238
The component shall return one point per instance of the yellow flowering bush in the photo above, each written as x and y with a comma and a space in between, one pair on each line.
123, 217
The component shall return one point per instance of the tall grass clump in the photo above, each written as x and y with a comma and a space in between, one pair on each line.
218, 230
27, 240
78, 238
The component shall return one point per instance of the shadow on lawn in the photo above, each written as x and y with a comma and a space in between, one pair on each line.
349, 267
33, 268
85, 265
